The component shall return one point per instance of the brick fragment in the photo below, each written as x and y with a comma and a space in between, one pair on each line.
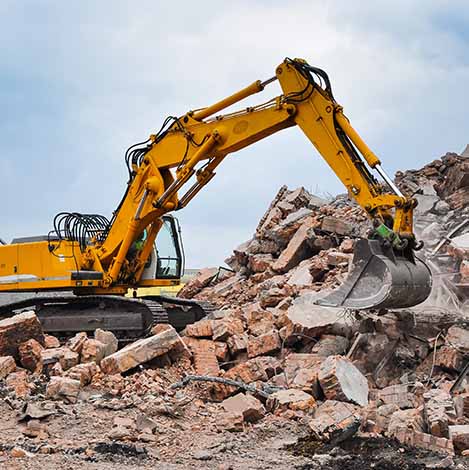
237, 343
222, 351
398, 395
297, 249
18, 382
341, 380
334, 225
449, 358
63, 388
459, 434
18, 329
51, 342
425, 441
248, 406
76, 342
205, 357
267, 343
293, 399
200, 329
30, 355
92, 350
7, 366
224, 328
84, 373
335, 421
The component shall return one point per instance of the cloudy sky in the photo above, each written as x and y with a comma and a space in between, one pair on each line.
80, 81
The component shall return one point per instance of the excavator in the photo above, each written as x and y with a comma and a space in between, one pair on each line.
87, 262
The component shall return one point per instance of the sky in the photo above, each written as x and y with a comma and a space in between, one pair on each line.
82, 81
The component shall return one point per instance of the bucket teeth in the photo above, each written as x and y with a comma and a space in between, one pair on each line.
381, 278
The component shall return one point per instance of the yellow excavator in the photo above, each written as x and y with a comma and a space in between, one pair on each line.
98, 259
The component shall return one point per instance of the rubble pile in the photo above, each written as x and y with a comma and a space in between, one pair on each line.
269, 354
303, 243
442, 221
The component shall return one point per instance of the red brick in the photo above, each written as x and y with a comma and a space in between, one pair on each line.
267, 343
30, 355
204, 357
248, 406
200, 329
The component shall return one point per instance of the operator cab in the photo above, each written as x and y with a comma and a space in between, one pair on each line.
167, 258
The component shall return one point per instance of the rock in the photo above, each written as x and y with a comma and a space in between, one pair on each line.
267, 343
30, 355
335, 422
224, 328
75, 343
18, 382
84, 373
248, 406
108, 339
297, 249
334, 225
63, 388
292, 399
200, 329
459, 434
51, 342
459, 338
93, 350
35, 429
233, 422
405, 420
18, 329
19, 453
202, 455
425, 203
7, 366
449, 358
140, 351
341, 380
260, 263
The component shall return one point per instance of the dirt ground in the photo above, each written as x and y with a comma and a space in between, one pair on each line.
83, 435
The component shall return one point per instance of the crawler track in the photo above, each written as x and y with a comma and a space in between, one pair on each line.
129, 319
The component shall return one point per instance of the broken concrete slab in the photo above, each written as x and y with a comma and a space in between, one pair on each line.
140, 352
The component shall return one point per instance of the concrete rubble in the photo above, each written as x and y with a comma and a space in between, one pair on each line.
269, 352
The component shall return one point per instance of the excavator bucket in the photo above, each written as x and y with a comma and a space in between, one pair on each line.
381, 278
